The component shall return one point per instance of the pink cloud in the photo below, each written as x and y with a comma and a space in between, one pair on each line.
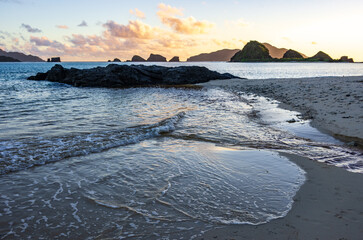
137, 13
188, 25
62, 26
135, 29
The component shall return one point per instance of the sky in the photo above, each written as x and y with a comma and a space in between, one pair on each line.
95, 30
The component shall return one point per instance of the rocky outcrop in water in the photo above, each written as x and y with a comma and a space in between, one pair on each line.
120, 76
54, 59
346, 59
156, 58
174, 59
137, 58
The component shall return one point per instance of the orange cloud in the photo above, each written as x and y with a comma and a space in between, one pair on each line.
137, 13
135, 29
188, 25
314, 43
62, 26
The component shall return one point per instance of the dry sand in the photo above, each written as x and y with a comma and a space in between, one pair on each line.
330, 203
335, 104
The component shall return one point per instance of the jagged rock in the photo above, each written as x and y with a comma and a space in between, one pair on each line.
137, 58
120, 76
156, 58
322, 56
292, 54
174, 59
253, 51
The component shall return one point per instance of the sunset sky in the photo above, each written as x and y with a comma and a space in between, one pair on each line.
91, 30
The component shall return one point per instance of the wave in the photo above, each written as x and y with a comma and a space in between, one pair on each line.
16, 155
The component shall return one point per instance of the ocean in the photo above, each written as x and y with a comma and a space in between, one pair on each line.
151, 163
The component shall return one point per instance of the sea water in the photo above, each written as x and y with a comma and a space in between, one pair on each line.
144, 163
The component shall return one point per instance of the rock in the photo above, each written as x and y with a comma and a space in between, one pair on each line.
174, 59
137, 58
116, 60
54, 59
292, 54
322, 56
120, 76
253, 51
346, 59
156, 58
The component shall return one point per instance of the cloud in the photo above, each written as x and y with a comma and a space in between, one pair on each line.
135, 29
30, 29
62, 26
137, 13
83, 24
45, 42
190, 25
314, 43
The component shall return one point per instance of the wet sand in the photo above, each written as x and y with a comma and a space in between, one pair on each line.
328, 206
335, 104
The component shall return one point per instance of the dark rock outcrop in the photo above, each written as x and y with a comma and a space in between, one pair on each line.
346, 59
223, 55
8, 59
137, 58
21, 56
174, 59
252, 51
121, 76
292, 54
156, 58
54, 59
322, 56
116, 60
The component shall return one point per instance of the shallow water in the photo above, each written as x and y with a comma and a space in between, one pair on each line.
147, 162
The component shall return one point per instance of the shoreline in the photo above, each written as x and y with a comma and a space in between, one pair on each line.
322, 208
333, 107
329, 204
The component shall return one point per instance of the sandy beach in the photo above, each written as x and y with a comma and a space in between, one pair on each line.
329, 204
335, 104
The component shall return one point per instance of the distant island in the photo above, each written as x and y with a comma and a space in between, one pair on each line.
255, 51
20, 57
54, 59
8, 59
223, 55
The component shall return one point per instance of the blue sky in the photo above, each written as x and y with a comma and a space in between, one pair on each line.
182, 28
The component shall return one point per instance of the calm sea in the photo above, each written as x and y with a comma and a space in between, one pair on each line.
151, 163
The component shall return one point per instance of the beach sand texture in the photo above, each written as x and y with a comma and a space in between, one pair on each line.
330, 203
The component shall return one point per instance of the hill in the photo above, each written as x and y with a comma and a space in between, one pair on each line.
21, 56
8, 59
223, 55
252, 51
